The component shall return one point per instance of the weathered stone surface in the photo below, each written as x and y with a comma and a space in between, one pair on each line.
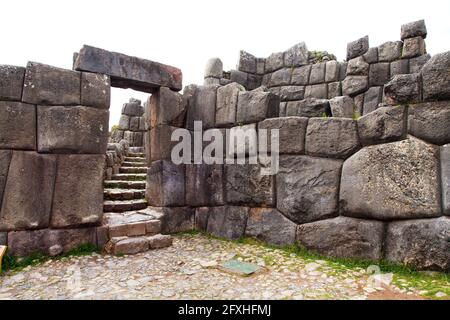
300, 76
124, 245
246, 184
290, 93
254, 81
134, 123
24, 243
357, 67
5, 160
128, 72
159, 241
357, 48
227, 99
308, 108
307, 188
331, 137
359, 104
386, 124
3, 238
274, 62
332, 71
416, 64
430, 122
445, 177
211, 81
260, 66
342, 107
87, 184
247, 62
239, 77
17, 125
379, 74
372, 98
423, 244
166, 107
255, 106
74, 129
403, 88
204, 185
124, 122
203, 107
283, 106
133, 108
95, 90
414, 29
175, 220
214, 68
317, 73
49, 85
397, 180
161, 144
354, 85
280, 77
343, 237
242, 141
342, 70
436, 77
334, 90
390, 51
27, 198
11, 82
296, 55
413, 47
399, 67
270, 226
227, 222
317, 91
292, 131
165, 184
201, 218
371, 56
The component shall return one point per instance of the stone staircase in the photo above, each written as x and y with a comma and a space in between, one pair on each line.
131, 226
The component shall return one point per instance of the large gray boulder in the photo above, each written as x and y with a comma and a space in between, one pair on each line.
308, 108
247, 62
3, 238
227, 100
128, 72
95, 90
354, 85
17, 125
280, 77
414, 29
270, 226
296, 55
227, 222
49, 85
165, 184
247, 185
214, 68
398, 180
413, 47
202, 107
357, 48
5, 160
27, 199
255, 106
74, 129
175, 220
436, 77
161, 144
400, 67
386, 124
290, 93
166, 107
87, 184
332, 71
204, 185
331, 137
445, 177
423, 244
334, 90
379, 74
292, 131
11, 82
300, 76
307, 188
416, 64
372, 98
239, 77
343, 237
317, 91
390, 51
274, 62
430, 121
403, 88
342, 107
317, 74
133, 108
357, 67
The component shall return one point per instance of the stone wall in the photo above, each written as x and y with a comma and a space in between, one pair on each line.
364, 153
131, 125
53, 140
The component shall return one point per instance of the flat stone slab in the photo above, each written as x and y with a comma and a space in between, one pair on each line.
239, 267
127, 71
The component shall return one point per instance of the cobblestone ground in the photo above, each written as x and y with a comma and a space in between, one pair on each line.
188, 270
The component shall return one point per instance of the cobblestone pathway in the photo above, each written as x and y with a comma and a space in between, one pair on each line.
188, 270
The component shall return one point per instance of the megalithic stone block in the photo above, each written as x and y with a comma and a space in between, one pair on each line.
127, 71
166, 107
27, 198
17, 125
95, 90
87, 184
11, 82
165, 184
5, 160
204, 185
74, 129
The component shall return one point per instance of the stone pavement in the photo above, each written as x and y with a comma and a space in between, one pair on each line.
188, 270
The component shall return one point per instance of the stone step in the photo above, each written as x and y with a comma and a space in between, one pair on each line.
133, 245
124, 205
135, 159
123, 184
134, 164
124, 169
136, 155
136, 150
123, 194
130, 224
129, 176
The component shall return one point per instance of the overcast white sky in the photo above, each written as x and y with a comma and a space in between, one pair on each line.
186, 34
